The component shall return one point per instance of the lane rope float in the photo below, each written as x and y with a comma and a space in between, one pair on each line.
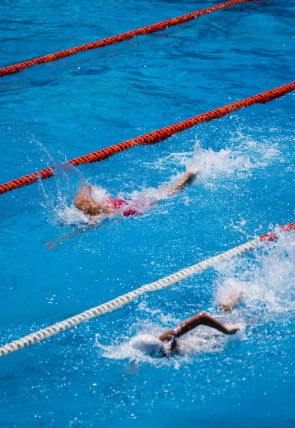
123, 300
118, 38
153, 137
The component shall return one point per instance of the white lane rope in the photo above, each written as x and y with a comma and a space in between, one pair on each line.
120, 301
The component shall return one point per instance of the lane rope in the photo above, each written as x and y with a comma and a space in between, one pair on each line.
123, 300
153, 137
117, 39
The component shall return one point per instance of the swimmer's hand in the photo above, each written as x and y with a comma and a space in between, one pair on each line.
191, 175
232, 301
232, 330
193, 170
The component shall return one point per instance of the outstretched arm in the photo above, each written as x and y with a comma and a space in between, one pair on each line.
76, 232
195, 321
186, 180
166, 191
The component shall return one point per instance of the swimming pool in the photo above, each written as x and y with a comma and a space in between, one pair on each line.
89, 376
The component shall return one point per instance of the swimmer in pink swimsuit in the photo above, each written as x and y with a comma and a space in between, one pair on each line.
93, 209
85, 202
126, 208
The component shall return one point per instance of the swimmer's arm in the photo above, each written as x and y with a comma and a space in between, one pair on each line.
232, 301
52, 244
77, 232
195, 321
166, 191
186, 180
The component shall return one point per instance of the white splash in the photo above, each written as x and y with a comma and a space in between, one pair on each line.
132, 350
267, 278
239, 158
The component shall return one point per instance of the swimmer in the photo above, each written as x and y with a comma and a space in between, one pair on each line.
109, 208
167, 344
85, 201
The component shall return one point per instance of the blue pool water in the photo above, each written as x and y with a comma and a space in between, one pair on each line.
90, 375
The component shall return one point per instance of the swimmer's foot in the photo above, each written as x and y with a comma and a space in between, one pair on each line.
232, 302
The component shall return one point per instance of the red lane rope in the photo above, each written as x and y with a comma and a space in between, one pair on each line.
272, 235
153, 137
116, 39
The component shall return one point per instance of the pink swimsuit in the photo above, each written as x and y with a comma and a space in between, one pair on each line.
127, 208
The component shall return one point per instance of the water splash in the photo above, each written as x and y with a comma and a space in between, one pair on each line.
240, 157
125, 350
58, 201
267, 279
205, 340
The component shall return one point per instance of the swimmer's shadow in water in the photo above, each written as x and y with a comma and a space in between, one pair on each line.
56, 244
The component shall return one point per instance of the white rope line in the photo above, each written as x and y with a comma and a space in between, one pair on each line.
120, 301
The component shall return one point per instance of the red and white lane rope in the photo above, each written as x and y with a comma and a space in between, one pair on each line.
116, 39
123, 300
153, 137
